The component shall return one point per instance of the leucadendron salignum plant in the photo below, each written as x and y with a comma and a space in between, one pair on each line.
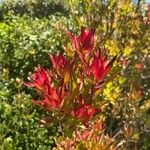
68, 91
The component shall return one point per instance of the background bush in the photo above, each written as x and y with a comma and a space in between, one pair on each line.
30, 30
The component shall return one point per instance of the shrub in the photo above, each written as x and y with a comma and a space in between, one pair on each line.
121, 28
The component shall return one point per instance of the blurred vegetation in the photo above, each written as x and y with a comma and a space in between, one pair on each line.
35, 8
32, 29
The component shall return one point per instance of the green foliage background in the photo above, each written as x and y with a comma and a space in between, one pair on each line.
32, 29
